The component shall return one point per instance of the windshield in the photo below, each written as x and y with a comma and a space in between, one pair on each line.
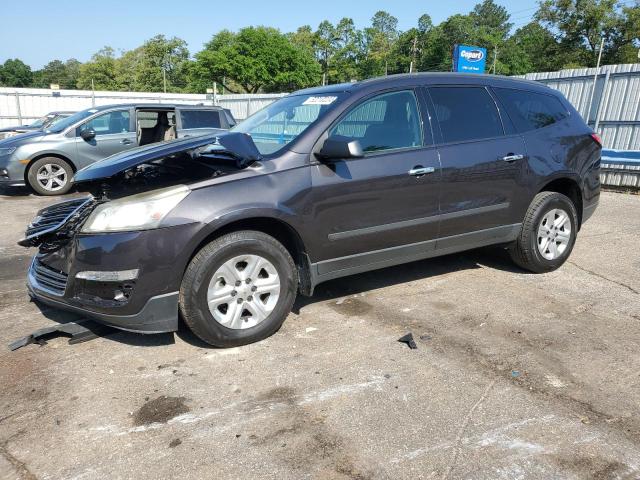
38, 123
63, 123
281, 122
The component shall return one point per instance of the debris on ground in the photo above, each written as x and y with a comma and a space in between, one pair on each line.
408, 339
79, 332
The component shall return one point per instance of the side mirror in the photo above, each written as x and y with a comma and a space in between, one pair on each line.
338, 147
88, 134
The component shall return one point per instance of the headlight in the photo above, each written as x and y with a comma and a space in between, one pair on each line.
7, 151
137, 212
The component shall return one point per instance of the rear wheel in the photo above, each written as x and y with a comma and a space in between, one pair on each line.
50, 176
238, 289
548, 233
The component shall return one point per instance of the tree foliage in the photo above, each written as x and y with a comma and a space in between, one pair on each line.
255, 59
561, 34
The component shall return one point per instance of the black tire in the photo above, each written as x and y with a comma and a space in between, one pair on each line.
38, 187
193, 290
524, 251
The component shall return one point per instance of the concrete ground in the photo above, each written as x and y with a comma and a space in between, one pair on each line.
516, 376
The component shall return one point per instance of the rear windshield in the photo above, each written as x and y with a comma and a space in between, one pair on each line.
200, 118
531, 110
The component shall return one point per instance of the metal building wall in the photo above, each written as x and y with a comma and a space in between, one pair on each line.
615, 111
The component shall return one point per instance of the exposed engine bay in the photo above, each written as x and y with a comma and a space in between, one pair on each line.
140, 170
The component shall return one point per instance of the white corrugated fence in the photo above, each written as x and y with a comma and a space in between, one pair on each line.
21, 105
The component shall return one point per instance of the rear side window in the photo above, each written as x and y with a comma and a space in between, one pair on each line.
385, 122
466, 113
200, 118
530, 110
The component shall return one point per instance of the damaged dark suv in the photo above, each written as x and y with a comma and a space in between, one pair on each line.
227, 229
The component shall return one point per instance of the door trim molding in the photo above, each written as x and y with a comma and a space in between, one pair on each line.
387, 257
415, 222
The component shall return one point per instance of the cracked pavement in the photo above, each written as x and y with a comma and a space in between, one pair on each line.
515, 376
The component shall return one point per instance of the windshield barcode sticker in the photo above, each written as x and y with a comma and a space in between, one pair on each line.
319, 100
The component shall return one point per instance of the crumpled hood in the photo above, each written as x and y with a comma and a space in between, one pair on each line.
231, 146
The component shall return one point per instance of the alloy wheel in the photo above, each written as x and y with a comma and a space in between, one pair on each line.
243, 291
554, 234
52, 177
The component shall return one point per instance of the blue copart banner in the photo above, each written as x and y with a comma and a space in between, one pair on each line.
469, 59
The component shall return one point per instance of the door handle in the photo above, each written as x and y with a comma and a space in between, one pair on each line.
126, 141
512, 157
419, 170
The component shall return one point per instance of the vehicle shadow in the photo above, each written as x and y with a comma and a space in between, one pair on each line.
490, 257
15, 192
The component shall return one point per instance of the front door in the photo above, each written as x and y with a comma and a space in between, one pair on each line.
483, 169
368, 208
114, 133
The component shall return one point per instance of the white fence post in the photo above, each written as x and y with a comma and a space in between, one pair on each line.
19, 111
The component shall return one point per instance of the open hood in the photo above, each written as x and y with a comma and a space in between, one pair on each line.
234, 148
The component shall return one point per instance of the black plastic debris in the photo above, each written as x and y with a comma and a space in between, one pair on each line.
79, 332
408, 339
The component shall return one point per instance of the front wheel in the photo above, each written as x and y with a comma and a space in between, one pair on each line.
50, 176
238, 289
548, 233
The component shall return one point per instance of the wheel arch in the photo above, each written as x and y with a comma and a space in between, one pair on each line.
570, 188
278, 229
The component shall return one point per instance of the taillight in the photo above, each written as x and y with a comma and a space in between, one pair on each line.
596, 138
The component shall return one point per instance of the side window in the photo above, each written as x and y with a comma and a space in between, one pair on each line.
385, 122
200, 118
466, 113
530, 110
109, 123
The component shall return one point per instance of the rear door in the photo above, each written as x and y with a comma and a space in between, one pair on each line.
192, 122
388, 198
114, 133
483, 167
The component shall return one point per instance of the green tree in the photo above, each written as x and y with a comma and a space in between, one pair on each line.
581, 25
256, 59
380, 39
100, 72
62, 73
158, 58
15, 73
522, 52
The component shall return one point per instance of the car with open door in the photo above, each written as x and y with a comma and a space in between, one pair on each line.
46, 159
224, 230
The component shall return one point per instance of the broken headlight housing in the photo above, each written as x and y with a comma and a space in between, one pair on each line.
137, 212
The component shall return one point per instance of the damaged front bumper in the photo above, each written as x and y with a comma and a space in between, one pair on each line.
128, 280
158, 314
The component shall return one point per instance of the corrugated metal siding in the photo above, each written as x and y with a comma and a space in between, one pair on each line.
616, 102
35, 102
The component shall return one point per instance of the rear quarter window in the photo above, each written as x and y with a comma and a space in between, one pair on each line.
200, 118
531, 110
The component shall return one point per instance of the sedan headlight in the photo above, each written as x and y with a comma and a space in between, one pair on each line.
137, 212
7, 151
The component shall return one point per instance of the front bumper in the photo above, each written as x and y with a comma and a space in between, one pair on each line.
146, 304
159, 315
7, 181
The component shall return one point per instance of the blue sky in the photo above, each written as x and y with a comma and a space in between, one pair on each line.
38, 31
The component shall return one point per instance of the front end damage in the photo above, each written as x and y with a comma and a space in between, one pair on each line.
128, 278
